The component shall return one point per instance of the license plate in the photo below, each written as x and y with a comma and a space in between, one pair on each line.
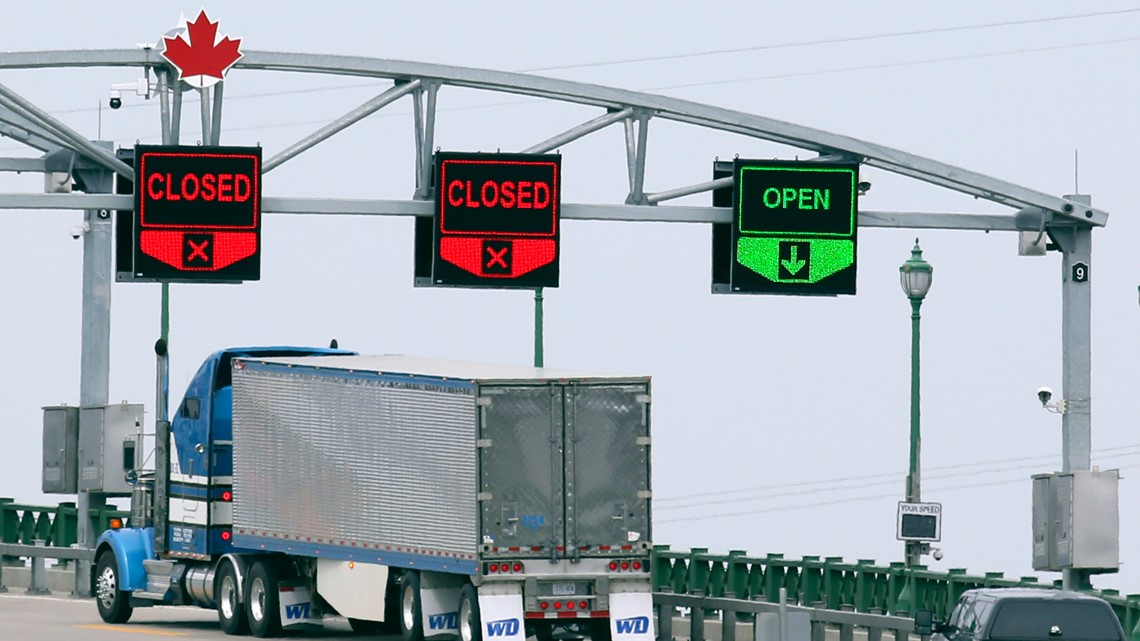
563, 589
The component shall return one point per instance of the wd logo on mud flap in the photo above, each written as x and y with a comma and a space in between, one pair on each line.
633, 625
445, 621
503, 628
296, 611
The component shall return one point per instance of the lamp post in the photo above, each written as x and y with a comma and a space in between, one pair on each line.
915, 276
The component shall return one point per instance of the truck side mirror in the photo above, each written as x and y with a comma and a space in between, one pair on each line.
924, 623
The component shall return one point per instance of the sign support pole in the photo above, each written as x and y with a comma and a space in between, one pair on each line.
1076, 358
538, 327
94, 369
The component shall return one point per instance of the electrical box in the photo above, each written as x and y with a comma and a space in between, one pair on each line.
108, 447
60, 449
1076, 521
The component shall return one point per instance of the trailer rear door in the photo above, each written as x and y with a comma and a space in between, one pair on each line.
607, 467
564, 468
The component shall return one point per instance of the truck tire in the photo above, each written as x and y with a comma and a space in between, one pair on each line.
261, 600
470, 622
411, 619
231, 611
114, 604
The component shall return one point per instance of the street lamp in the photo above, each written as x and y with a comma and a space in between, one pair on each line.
915, 276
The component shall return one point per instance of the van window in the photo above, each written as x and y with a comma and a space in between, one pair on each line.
1035, 620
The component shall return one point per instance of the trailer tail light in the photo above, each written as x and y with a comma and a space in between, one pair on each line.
569, 605
545, 605
227, 496
226, 535
115, 523
503, 568
583, 605
557, 605
628, 565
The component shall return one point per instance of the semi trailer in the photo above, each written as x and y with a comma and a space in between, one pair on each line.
429, 498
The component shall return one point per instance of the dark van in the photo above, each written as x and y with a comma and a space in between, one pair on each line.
1029, 614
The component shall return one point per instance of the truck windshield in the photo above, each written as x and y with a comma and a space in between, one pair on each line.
1036, 620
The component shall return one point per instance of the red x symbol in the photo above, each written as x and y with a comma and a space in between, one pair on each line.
198, 250
497, 257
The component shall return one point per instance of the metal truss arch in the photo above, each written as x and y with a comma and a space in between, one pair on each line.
643, 106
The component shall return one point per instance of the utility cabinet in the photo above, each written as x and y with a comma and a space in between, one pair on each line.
1076, 521
60, 449
108, 447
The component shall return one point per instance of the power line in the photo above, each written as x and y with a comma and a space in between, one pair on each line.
888, 65
833, 490
855, 499
829, 41
660, 88
891, 475
695, 54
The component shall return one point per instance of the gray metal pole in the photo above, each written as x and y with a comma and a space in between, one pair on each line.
1076, 357
94, 368
204, 100
538, 356
216, 116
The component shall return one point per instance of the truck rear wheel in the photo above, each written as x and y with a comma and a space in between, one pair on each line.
411, 619
231, 611
261, 600
470, 623
114, 604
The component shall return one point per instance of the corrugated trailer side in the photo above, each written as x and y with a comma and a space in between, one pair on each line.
355, 464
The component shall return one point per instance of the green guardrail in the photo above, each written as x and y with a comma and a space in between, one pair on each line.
56, 526
835, 584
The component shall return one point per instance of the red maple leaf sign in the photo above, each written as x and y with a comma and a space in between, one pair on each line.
200, 57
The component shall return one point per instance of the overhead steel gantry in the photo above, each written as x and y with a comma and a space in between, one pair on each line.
1068, 221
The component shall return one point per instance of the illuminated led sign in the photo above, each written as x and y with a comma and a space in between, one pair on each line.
197, 214
496, 221
794, 227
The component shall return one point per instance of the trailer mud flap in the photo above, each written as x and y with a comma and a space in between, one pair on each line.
502, 617
296, 606
438, 607
631, 616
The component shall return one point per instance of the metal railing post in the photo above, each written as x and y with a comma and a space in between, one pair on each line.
39, 573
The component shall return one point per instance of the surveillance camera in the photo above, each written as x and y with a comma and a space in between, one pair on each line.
864, 186
116, 99
1044, 394
77, 232
937, 554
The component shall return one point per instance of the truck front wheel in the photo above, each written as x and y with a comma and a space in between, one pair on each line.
261, 600
470, 623
114, 604
231, 612
411, 620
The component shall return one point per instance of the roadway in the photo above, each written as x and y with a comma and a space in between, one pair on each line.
60, 618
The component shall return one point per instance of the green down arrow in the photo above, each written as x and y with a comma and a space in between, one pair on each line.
762, 255
794, 264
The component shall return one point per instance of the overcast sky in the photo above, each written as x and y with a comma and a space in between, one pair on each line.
780, 423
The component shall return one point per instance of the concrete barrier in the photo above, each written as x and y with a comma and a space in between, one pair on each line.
19, 579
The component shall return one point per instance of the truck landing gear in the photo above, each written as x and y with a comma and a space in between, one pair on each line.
114, 604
